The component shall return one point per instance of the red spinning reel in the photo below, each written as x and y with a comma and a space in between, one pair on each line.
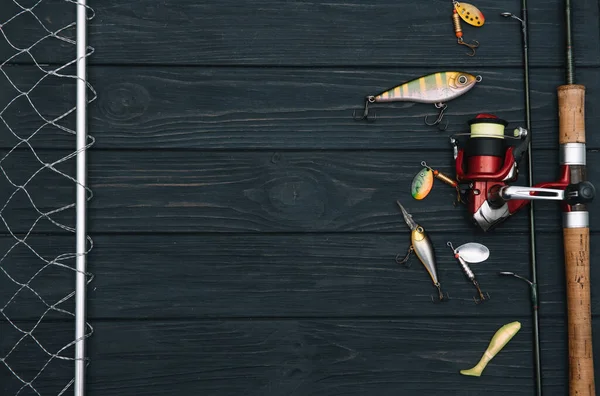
487, 164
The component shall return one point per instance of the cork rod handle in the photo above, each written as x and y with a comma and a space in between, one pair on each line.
571, 114
577, 271
571, 108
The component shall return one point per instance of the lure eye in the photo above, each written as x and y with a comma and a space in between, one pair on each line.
462, 80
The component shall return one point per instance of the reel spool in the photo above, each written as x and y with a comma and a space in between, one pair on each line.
486, 164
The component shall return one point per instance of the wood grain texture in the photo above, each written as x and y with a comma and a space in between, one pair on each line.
276, 33
301, 357
308, 108
317, 357
279, 275
231, 108
266, 276
283, 192
250, 191
246, 226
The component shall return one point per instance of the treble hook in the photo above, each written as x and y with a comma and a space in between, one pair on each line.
443, 107
365, 115
470, 275
441, 297
404, 260
471, 46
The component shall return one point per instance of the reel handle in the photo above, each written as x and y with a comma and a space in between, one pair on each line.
522, 192
573, 194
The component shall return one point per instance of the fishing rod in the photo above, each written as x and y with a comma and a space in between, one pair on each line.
533, 261
487, 164
576, 232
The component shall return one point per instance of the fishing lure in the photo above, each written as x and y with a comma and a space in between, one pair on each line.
421, 245
471, 253
470, 14
423, 182
499, 340
436, 88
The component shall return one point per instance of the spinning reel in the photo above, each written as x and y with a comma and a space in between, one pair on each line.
487, 164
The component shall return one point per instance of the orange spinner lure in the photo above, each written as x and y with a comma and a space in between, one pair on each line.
471, 15
423, 182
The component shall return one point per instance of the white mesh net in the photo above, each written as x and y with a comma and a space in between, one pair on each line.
37, 195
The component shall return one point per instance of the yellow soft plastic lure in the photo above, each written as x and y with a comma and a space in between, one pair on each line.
469, 13
500, 339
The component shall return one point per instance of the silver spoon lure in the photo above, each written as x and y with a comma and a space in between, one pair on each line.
471, 253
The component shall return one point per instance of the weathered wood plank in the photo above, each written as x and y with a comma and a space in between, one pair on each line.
257, 108
271, 32
240, 191
283, 192
327, 357
303, 357
263, 276
301, 275
236, 191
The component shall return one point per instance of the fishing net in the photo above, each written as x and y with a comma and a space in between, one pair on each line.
38, 183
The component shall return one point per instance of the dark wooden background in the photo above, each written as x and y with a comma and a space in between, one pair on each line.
245, 227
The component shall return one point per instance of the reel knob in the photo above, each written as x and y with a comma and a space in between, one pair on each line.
580, 193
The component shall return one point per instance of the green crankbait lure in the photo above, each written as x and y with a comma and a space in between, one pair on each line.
499, 340
421, 245
437, 88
